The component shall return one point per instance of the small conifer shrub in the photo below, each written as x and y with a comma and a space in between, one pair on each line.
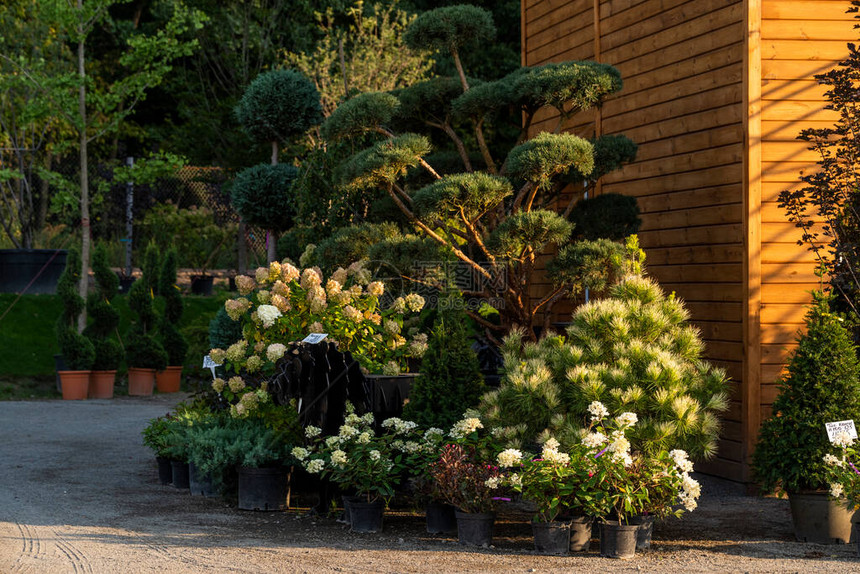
77, 350
821, 385
172, 340
142, 349
105, 318
451, 379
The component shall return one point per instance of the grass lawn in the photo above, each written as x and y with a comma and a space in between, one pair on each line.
28, 343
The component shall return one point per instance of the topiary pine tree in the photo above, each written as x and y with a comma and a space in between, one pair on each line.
632, 351
104, 316
171, 339
142, 349
821, 385
262, 196
451, 379
277, 106
77, 350
497, 219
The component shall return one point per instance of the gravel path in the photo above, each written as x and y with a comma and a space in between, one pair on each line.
79, 494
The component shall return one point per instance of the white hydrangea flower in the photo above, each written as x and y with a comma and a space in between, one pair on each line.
399, 305
598, 411
626, 420
275, 351
347, 432
363, 438
332, 441
268, 314
515, 480
555, 456
594, 439
300, 453
551, 444
376, 288
339, 458
315, 466
312, 431
465, 427
836, 490
375, 455
492, 482
843, 439
433, 433
510, 458
367, 419
415, 302
622, 457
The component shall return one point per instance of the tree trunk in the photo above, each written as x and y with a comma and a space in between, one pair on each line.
272, 235
85, 189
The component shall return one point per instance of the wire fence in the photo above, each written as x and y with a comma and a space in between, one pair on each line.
187, 188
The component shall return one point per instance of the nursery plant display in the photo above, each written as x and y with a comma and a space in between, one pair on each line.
102, 328
78, 352
283, 304
144, 354
633, 351
168, 380
821, 385
490, 211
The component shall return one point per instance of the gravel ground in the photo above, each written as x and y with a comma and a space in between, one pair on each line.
79, 494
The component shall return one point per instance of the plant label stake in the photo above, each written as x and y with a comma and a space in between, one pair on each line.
208, 363
314, 338
833, 429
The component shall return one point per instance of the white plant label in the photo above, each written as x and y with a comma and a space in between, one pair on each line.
208, 363
314, 338
837, 427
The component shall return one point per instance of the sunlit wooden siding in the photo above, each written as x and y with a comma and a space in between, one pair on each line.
715, 108
799, 39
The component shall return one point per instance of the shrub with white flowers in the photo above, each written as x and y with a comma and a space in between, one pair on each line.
282, 303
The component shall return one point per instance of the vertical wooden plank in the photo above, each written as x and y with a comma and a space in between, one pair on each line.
524, 37
751, 384
598, 114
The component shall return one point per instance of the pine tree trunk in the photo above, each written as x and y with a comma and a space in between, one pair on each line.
272, 243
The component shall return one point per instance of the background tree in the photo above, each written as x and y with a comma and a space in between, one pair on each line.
94, 110
279, 106
496, 216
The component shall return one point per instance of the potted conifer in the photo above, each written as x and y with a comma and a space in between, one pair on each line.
105, 319
822, 385
168, 380
144, 354
77, 350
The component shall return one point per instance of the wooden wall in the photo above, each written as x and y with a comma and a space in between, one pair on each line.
798, 39
682, 66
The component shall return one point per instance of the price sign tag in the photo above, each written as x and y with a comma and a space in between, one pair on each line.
208, 363
837, 427
314, 338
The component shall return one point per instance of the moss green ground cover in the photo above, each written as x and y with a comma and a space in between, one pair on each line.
28, 343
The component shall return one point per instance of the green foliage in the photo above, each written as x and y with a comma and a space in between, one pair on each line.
473, 194
223, 331
103, 315
155, 436
171, 338
822, 385
569, 87
77, 350
199, 239
546, 156
528, 230
609, 216
350, 244
374, 56
263, 195
381, 164
593, 265
632, 351
142, 349
450, 28
365, 112
451, 379
610, 153
427, 102
279, 106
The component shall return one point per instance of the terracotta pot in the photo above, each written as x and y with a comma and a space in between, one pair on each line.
140, 382
168, 380
101, 384
75, 384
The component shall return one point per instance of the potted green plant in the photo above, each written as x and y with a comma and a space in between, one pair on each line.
102, 328
144, 354
467, 479
450, 381
169, 379
78, 352
155, 436
821, 385
358, 460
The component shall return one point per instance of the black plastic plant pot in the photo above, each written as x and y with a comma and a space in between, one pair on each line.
34, 271
262, 488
